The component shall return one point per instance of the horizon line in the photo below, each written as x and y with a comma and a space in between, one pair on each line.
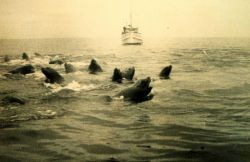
102, 37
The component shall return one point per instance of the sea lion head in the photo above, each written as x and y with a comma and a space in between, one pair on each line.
117, 76
52, 75
143, 83
166, 72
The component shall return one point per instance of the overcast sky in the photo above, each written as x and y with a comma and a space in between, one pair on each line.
105, 18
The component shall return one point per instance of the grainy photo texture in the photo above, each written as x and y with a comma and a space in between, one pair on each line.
125, 80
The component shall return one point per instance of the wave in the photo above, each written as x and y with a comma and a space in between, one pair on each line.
74, 85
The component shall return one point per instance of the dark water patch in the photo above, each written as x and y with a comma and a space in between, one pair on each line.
192, 133
143, 146
24, 88
194, 144
240, 98
5, 92
87, 119
111, 160
227, 58
187, 51
240, 119
4, 124
18, 136
142, 123
143, 128
109, 114
184, 133
13, 99
144, 118
204, 59
141, 120
58, 157
28, 141
196, 155
67, 127
101, 149
193, 95
228, 97
225, 63
4, 158
230, 91
187, 92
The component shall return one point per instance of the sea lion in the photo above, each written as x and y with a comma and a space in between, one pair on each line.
37, 54
164, 74
26, 69
139, 92
128, 73
117, 76
52, 75
6, 58
60, 62
25, 56
94, 67
69, 68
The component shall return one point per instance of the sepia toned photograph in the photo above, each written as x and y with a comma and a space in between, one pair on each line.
124, 81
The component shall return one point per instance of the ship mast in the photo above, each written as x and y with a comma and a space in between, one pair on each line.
130, 12
131, 19
130, 34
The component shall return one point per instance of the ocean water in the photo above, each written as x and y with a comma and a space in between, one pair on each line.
201, 113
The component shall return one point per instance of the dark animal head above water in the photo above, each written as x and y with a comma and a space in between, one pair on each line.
25, 56
52, 75
6, 58
128, 73
117, 76
166, 72
69, 68
139, 92
94, 67
143, 83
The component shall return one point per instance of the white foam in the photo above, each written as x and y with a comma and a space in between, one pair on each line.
77, 73
75, 86
79, 64
119, 98
17, 62
47, 113
39, 61
52, 86
78, 87
38, 75
33, 61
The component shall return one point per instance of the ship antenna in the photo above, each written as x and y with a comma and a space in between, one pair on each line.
131, 16
131, 19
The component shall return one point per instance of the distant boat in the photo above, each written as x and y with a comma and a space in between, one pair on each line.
131, 36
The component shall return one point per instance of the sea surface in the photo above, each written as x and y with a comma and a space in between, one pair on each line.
202, 113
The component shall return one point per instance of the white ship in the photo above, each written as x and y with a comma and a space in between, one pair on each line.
131, 36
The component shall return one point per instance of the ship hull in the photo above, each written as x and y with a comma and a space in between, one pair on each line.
132, 43
131, 39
